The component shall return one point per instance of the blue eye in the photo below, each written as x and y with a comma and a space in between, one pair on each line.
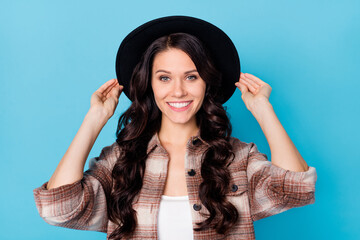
164, 79
192, 77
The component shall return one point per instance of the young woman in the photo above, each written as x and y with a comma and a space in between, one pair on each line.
174, 171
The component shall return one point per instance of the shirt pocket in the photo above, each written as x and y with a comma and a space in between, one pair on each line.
238, 184
238, 192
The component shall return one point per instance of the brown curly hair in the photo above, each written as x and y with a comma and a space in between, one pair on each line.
142, 120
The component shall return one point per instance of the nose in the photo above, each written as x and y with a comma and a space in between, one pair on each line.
179, 89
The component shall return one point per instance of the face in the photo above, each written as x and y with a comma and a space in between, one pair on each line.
178, 88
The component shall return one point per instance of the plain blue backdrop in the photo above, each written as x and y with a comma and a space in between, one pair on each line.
55, 54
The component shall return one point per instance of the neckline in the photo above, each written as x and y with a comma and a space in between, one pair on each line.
175, 198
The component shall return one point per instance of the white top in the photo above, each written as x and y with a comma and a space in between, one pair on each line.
174, 219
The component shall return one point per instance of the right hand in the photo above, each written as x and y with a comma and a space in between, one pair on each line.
106, 98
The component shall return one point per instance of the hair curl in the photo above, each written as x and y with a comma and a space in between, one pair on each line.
142, 120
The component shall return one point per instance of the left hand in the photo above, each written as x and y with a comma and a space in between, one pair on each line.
254, 91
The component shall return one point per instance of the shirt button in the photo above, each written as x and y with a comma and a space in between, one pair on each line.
197, 207
234, 188
192, 172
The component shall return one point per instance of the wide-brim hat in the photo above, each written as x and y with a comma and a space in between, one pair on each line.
220, 46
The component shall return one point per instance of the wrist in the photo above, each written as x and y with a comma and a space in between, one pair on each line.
98, 115
260, 108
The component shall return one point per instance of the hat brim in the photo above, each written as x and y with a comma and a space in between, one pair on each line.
222, 49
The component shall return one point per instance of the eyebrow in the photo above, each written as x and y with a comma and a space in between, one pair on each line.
161, 70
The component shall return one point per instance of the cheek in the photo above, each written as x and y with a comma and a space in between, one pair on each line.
158, 103
159, 94
201, 91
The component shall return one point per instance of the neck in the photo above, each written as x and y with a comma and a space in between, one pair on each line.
177, 134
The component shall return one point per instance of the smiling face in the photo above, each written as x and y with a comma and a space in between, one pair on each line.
178, 88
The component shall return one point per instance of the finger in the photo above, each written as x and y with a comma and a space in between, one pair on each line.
251, 82
110, 88
249, 86
106, 90
106, 85
243, 89
117, 91
249, 77
245, 94
255, 79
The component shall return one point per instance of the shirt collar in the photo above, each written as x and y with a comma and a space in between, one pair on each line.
155, 141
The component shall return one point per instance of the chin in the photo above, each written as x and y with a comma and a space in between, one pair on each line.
180, 119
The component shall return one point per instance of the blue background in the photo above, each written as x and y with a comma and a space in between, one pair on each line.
55, 54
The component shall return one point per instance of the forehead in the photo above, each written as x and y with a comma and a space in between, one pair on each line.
173, 59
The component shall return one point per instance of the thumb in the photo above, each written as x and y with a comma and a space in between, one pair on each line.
117, 91
243, 88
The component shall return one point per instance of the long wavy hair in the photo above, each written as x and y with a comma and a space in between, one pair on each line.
142, 120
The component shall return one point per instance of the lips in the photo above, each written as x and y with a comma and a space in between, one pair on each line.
179, 106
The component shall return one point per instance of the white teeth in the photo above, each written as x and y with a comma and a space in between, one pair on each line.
179, 105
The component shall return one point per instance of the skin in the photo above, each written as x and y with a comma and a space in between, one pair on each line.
102, 106
176, 127
255, 93
175, 79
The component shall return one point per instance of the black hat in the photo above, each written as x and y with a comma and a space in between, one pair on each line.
221, 48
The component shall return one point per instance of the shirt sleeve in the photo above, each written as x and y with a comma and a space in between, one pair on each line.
82, 204
273, 190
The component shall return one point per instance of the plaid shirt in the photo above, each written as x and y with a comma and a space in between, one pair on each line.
258, 189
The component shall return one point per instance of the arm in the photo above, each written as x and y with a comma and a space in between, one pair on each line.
287, 181
272, 189
255, 94
74, 199
102, 107
82, 204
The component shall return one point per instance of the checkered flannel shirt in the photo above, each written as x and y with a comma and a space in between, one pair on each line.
258, 189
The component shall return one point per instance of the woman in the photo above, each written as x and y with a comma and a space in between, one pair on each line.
174, 171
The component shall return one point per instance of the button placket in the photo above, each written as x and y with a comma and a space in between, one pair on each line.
192, 168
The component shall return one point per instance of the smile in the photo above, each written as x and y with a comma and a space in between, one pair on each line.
179, 106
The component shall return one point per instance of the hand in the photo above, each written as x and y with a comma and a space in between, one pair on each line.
106, 98
254, 91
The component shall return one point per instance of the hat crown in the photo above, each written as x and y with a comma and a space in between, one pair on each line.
224, 55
